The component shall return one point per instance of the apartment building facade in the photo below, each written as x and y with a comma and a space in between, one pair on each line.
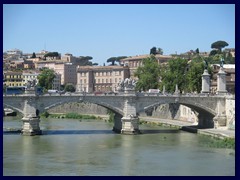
100, 78
13, 79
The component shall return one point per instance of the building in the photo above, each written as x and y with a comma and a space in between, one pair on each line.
29, 76
38, 55
56, 85
29, 65
133, 62
13, 79
100, 78
65, 69
68, 72
14, 52
230, 50
229, 69
78, 61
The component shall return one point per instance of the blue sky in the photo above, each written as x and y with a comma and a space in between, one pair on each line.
104, 31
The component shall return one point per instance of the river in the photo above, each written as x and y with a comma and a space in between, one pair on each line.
69, 147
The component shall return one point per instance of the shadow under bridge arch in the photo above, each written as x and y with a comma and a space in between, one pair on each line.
117, 116
205, 115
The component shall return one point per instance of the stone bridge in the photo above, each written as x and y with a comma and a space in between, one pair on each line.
126, 106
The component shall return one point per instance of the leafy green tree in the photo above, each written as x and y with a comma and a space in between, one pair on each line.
45, 78
197, 51
69, 87
213, 52
153, 50
219, 45
148, 75
159, 51
174, 73
227, 56
52, 54
115, 59
194, 77
112, 60
88, 58
33, 55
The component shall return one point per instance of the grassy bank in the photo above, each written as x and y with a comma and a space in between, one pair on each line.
209, 141
159, 124
70, 116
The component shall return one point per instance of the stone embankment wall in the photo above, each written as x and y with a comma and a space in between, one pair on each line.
230, 112
165, 111
81, 108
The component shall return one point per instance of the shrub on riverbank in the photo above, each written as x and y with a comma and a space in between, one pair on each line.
69, 116
79, 116
218, 143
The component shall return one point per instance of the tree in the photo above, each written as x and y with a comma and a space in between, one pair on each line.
52, 54
174, 74
69, 87
88, 58
197, 51
159, 51
153, 50
115, 59
33, 55
112, 60
45, 78
148, 74
219, 45
213, 52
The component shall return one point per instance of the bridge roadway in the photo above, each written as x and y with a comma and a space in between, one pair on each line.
126, 106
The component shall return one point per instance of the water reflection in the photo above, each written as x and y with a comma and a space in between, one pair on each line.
73, 148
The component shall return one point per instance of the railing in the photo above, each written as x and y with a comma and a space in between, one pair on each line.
137, 94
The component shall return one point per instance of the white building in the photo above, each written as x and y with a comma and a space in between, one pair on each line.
29, 76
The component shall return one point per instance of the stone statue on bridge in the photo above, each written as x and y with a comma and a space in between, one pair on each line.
205, 64
31, 84
127, 84
221, 62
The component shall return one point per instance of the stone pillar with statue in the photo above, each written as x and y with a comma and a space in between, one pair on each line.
220, 119
221, 79
31, 118
205, 79
130, 120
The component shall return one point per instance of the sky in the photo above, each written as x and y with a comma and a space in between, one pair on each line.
110, 30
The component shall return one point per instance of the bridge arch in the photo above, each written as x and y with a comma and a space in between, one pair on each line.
205, 114
103, 104
14, 108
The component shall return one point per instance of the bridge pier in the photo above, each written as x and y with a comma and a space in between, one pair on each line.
31, 118
130, 121
220, 121
130, 125
31, 126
